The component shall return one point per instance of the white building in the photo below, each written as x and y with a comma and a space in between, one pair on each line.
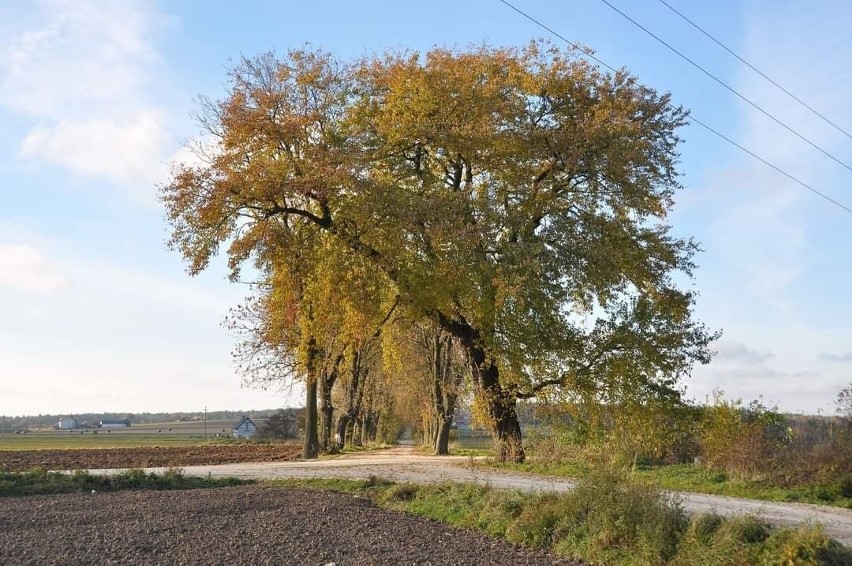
111, 423
245, 428
66, 423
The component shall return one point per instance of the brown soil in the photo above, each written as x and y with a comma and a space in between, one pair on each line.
146, 457
240, 525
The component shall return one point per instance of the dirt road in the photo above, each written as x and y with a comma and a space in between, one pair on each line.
404, 465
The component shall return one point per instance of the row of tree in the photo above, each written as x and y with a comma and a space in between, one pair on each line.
48, 420
493, 216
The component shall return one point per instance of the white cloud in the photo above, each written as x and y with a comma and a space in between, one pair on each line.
126, 152
86, 75
24, 268
792, 391
732, 351
830, 357
85, 53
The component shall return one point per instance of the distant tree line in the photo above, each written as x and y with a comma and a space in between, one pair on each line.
38, 421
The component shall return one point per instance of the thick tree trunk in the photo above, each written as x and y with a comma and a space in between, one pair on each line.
326, 406
310, 448
442, 441
326, 421
445, 422
502, 414
500, 404
373, 426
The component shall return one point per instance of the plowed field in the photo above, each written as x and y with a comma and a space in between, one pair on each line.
146, 457
242, 525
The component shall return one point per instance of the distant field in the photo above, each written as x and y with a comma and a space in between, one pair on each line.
157, 434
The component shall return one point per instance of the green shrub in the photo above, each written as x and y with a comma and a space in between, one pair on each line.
846, 486
613, 520
401, 492
536, 523
746, 528
804, 545
500, 511
743, 440
374, 482
702, 528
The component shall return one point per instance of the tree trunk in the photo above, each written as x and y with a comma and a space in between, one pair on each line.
365, 429
311, 447
326, 406
327, 420
340, 435
502, 414
500, 405
374, 426
445, 422
442, 442
356, 432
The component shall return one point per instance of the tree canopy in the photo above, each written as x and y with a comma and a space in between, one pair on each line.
517, 197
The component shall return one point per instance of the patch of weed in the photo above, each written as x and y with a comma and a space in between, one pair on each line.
40, 481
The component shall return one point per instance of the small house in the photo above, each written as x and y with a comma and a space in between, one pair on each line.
66, 423
245, 428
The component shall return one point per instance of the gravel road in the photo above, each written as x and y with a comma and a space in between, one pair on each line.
403, 464
237, 525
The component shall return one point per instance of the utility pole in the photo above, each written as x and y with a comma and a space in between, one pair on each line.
205, 422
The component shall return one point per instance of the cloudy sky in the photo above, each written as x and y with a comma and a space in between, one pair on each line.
96, 100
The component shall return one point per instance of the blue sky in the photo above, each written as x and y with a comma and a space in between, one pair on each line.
96, 99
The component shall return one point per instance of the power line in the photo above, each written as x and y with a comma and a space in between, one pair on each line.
692, 117
775, 167
728, 87
755, 69
587, 52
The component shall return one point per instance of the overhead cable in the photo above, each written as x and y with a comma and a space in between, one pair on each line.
756, 70
710, 129
730, 88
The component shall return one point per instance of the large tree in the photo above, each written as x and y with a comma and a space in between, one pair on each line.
516, 197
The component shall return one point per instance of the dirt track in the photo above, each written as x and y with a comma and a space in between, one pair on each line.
403, 464
240, 525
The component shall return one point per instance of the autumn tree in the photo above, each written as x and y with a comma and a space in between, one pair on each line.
276, 341
516, 197
435, 369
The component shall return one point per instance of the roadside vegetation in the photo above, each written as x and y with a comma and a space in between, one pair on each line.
41, 481
607, 519
725, 447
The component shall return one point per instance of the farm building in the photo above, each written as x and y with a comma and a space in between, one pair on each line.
245, 428
66, 423
108, 423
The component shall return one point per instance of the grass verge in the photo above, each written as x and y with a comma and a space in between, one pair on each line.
40, 481
607, 519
